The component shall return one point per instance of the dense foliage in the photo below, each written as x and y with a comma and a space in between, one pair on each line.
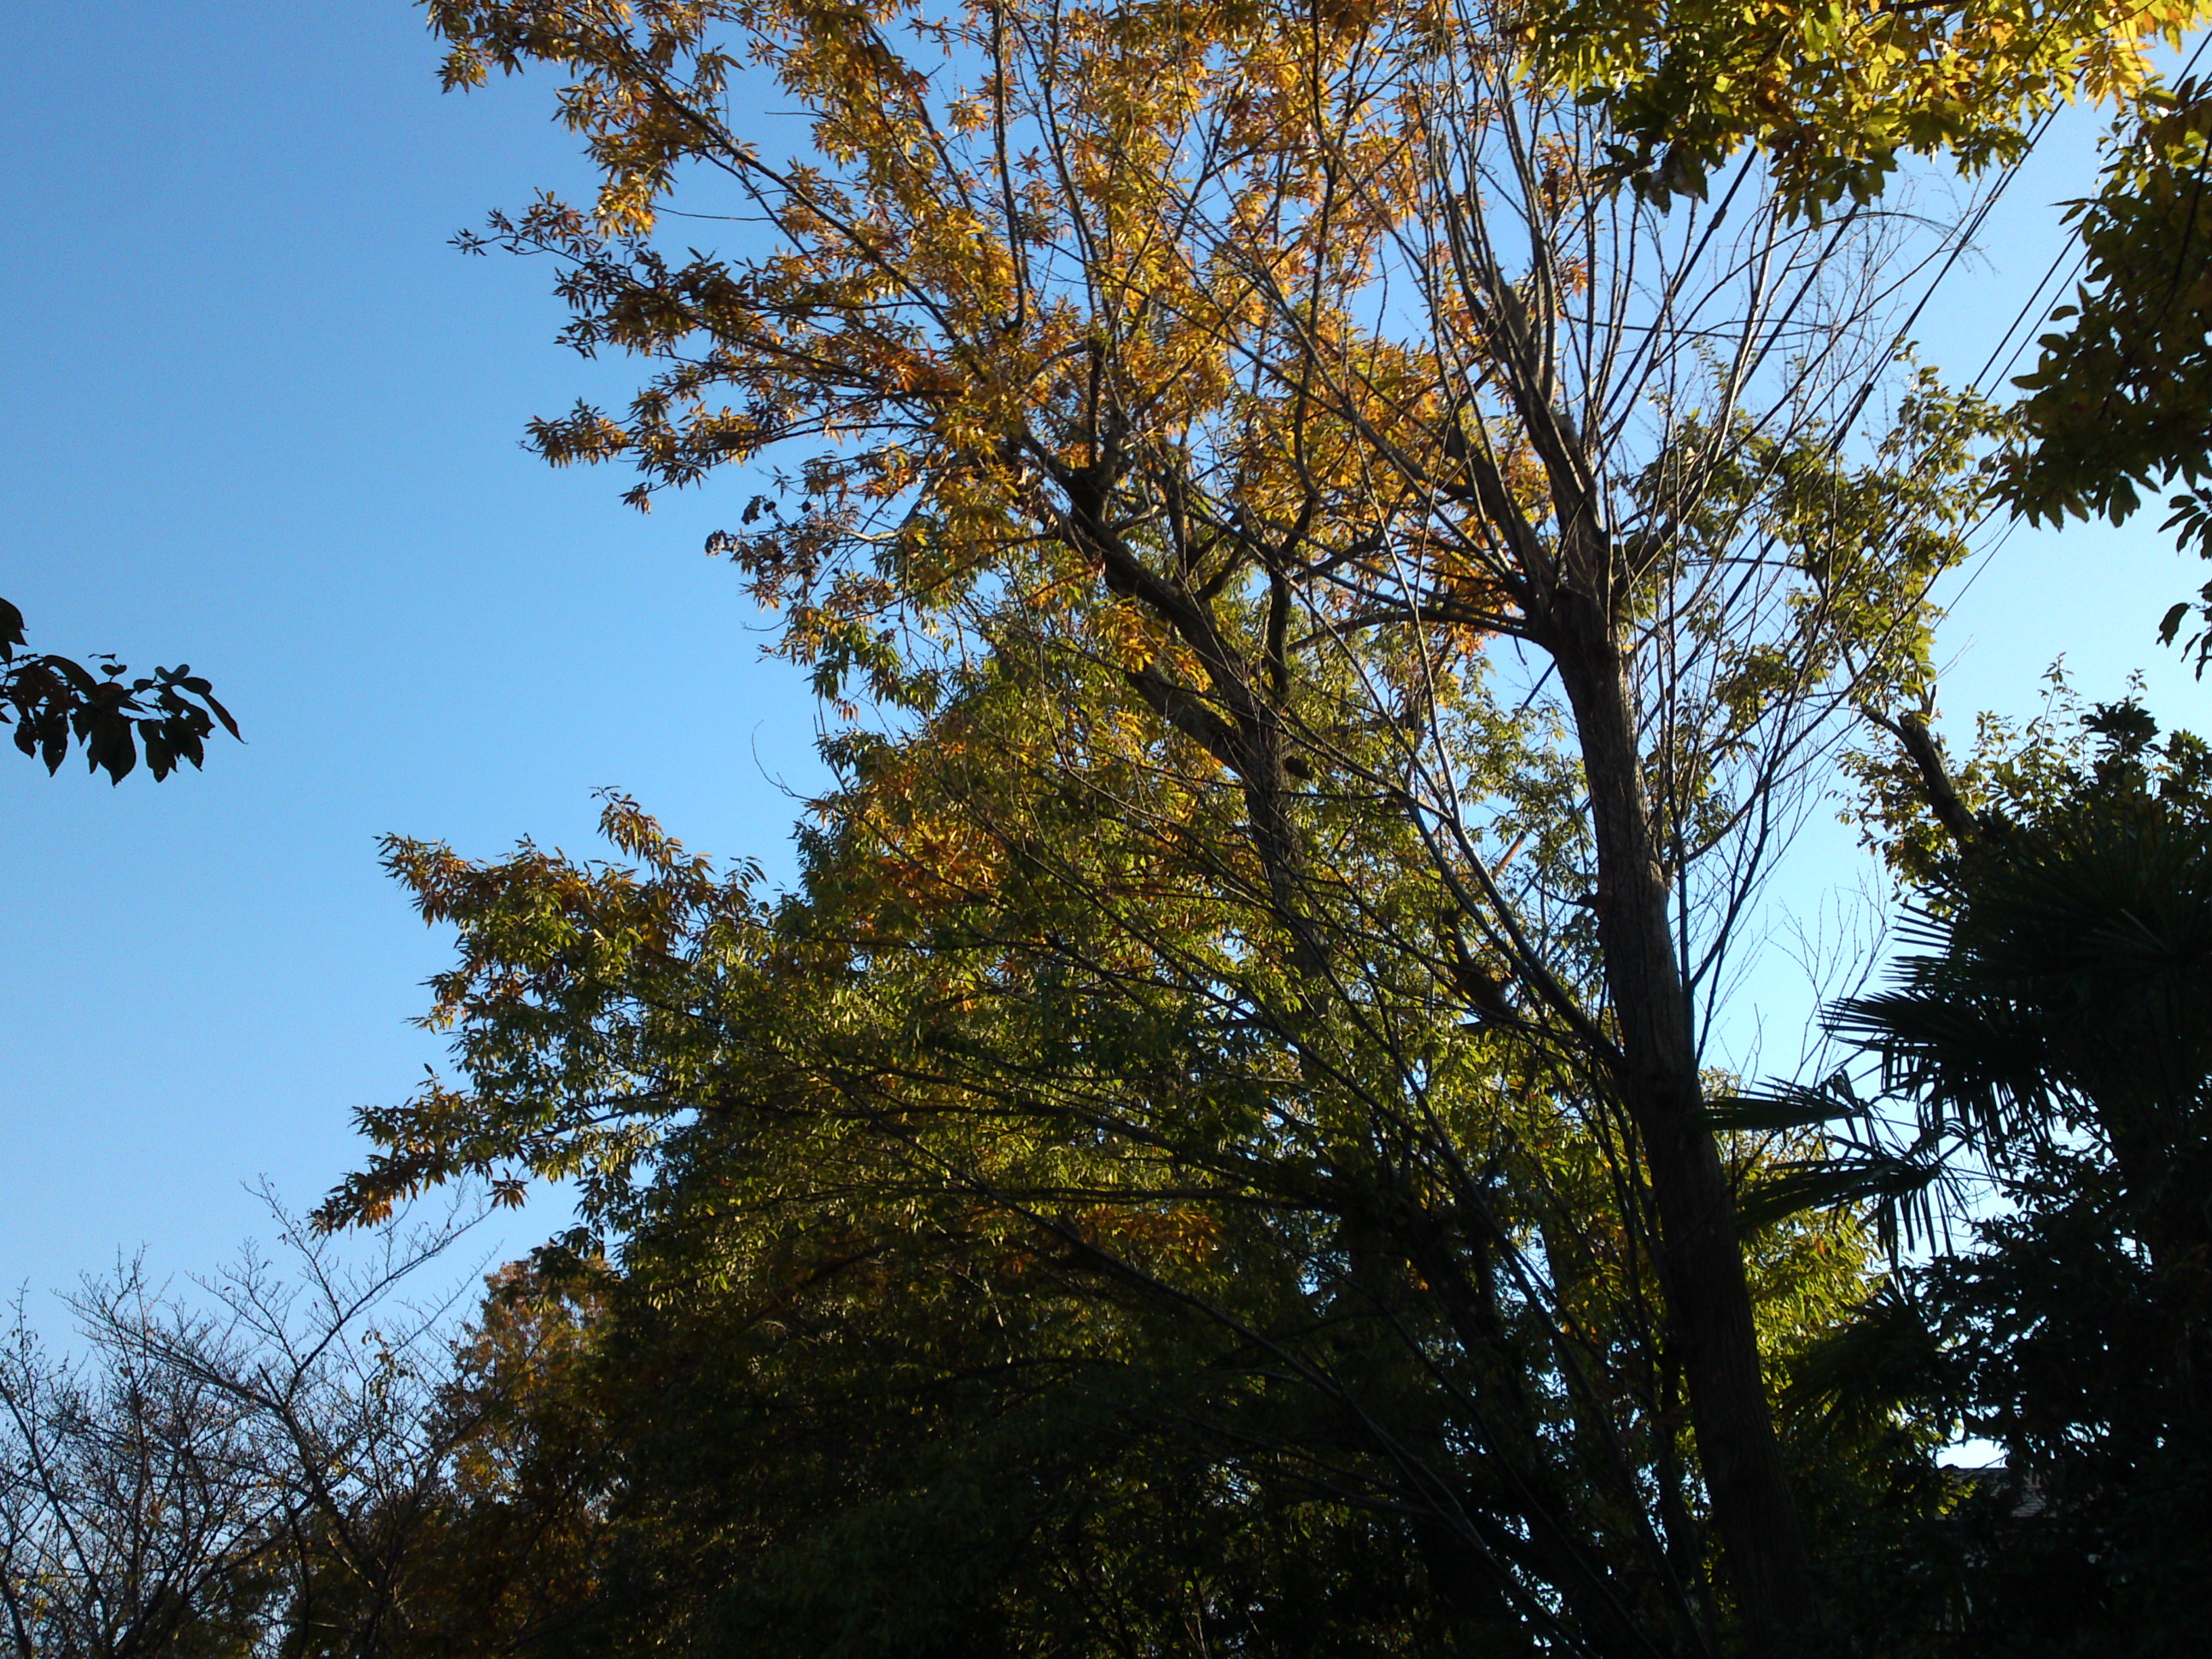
2119, 398
2053, 1031
1335, 547
991, 1197
1838, 96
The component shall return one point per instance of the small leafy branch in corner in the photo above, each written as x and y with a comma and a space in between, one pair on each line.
50, 699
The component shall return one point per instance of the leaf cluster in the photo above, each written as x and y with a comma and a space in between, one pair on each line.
1837, 95
2116, 399
53, 700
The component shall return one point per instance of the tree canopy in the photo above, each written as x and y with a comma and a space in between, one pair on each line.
2050, 1028
1335, 546
2118, 398
1287, 437
1838, 96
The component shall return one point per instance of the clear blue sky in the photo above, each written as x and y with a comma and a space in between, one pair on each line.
261, 417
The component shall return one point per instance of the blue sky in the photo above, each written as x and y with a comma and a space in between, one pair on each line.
262, 418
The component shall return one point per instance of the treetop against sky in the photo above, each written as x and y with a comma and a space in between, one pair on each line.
278, 438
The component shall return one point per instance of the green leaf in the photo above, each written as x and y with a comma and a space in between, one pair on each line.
1826, 1183
1794, 1109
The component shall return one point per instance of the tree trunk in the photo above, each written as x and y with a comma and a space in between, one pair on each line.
1700, 1262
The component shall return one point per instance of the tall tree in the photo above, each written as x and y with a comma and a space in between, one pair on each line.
2049, 1035
1314, 379
1022, 1241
